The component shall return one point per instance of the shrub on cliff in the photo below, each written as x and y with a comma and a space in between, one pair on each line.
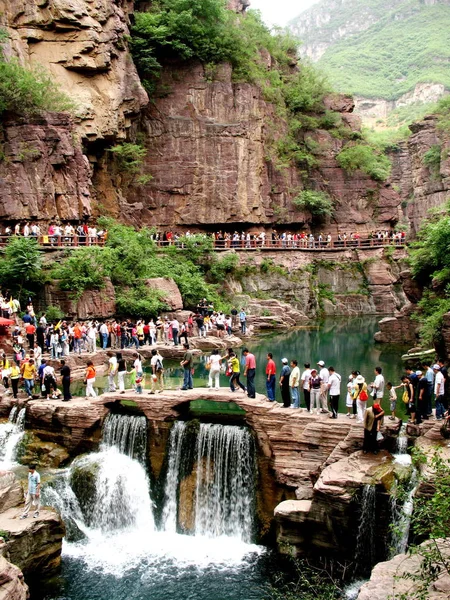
21, 265
27, 91
319, 204
365, 158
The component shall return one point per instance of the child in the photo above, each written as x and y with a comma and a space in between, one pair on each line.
393, 398
139, 384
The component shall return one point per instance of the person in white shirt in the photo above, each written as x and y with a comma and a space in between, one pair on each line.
156, 363
112, 370
439, 391
294, 381
91, 337
104, 334
305, 385
324, 377
175, 330
334, 385
378, 384
214, 362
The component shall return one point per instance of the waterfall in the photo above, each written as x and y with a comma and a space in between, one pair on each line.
365, 539
170, 510
128, 433
60, 496
224, 471
225, 482
401, 517
11, 434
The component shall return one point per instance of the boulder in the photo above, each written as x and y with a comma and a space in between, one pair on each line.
99, 304
206, 344
392, 579
400, 329
33, 544
11, 491
12, 585
169, 290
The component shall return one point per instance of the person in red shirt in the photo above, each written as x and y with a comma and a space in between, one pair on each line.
250, 371
30, 331
271, 371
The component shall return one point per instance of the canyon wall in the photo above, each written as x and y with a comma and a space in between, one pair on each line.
210, 141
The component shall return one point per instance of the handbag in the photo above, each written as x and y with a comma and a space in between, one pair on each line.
363, 395
208, 366
228, 373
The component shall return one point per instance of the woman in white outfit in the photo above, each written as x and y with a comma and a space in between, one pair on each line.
214, 371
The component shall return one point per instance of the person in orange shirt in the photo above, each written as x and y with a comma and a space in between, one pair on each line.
30, 330
90, 380
271, 371
77, 335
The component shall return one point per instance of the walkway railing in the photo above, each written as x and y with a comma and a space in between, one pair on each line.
54, 242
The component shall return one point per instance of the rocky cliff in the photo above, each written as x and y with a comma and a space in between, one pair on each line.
209, 141
421, 186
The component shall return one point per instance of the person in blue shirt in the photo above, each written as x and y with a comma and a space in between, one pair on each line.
243, 321
33, 496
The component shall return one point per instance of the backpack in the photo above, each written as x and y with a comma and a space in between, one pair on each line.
159, 366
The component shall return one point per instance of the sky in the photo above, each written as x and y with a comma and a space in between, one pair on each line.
279, 12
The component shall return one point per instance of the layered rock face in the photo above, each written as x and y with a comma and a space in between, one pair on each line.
82, 44
209, 148
421, 187
99, 304
43, 174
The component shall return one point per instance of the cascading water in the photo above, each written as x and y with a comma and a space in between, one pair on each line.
127, 433
365, 540
170, 510
225, 482
11, 434
401, 517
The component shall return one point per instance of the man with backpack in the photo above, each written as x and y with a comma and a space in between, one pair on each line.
156, 362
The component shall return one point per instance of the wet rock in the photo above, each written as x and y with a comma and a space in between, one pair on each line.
206, 344
399, 329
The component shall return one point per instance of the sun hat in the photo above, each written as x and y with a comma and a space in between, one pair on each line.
360, 379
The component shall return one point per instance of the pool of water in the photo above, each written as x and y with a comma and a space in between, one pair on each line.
346, 344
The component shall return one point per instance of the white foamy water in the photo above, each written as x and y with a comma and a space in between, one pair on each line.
11, 434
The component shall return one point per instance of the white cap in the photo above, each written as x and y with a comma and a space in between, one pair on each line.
418, 372
321, 363
284, 360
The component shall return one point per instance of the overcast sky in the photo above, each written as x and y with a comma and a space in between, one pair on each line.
279, 12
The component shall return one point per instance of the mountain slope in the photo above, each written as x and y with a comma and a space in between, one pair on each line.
381, 50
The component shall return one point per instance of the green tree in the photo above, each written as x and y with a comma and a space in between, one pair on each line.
319, 204
21, 265
365, 158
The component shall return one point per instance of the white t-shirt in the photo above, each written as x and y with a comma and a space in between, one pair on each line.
379, 384
324, 375
215, 361
305, 378
138, 365
154, 360
103, 328
335, 384
112, 364
175, 324
48, 371
439, 384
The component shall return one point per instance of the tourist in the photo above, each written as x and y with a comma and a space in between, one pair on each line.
243, 322
90, 380
28, 371
54, 343
77, 334
159, 329
334, 386
14, 376
408, 398
378, 385
324, 377
360, 395
235, 369
314, 390
49, 381
392, 398
112, 370
138, 365
439, 391
152, 332
422, 397
33, 493
228, 325
214, 362
234, 316
91, 337
249, 372
305, 386
220, 324
429, 376
121, 372
40, 336
284, 383
65, 376
156, 363
134, 337
350, 403
175, 329
37, 355
271, 371
5, 371
187, 363
294, 381
30, 330
372, 419
166, 328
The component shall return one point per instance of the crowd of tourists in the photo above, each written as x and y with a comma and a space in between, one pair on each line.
84, 234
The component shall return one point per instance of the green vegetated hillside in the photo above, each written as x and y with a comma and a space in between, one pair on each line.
406, 44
